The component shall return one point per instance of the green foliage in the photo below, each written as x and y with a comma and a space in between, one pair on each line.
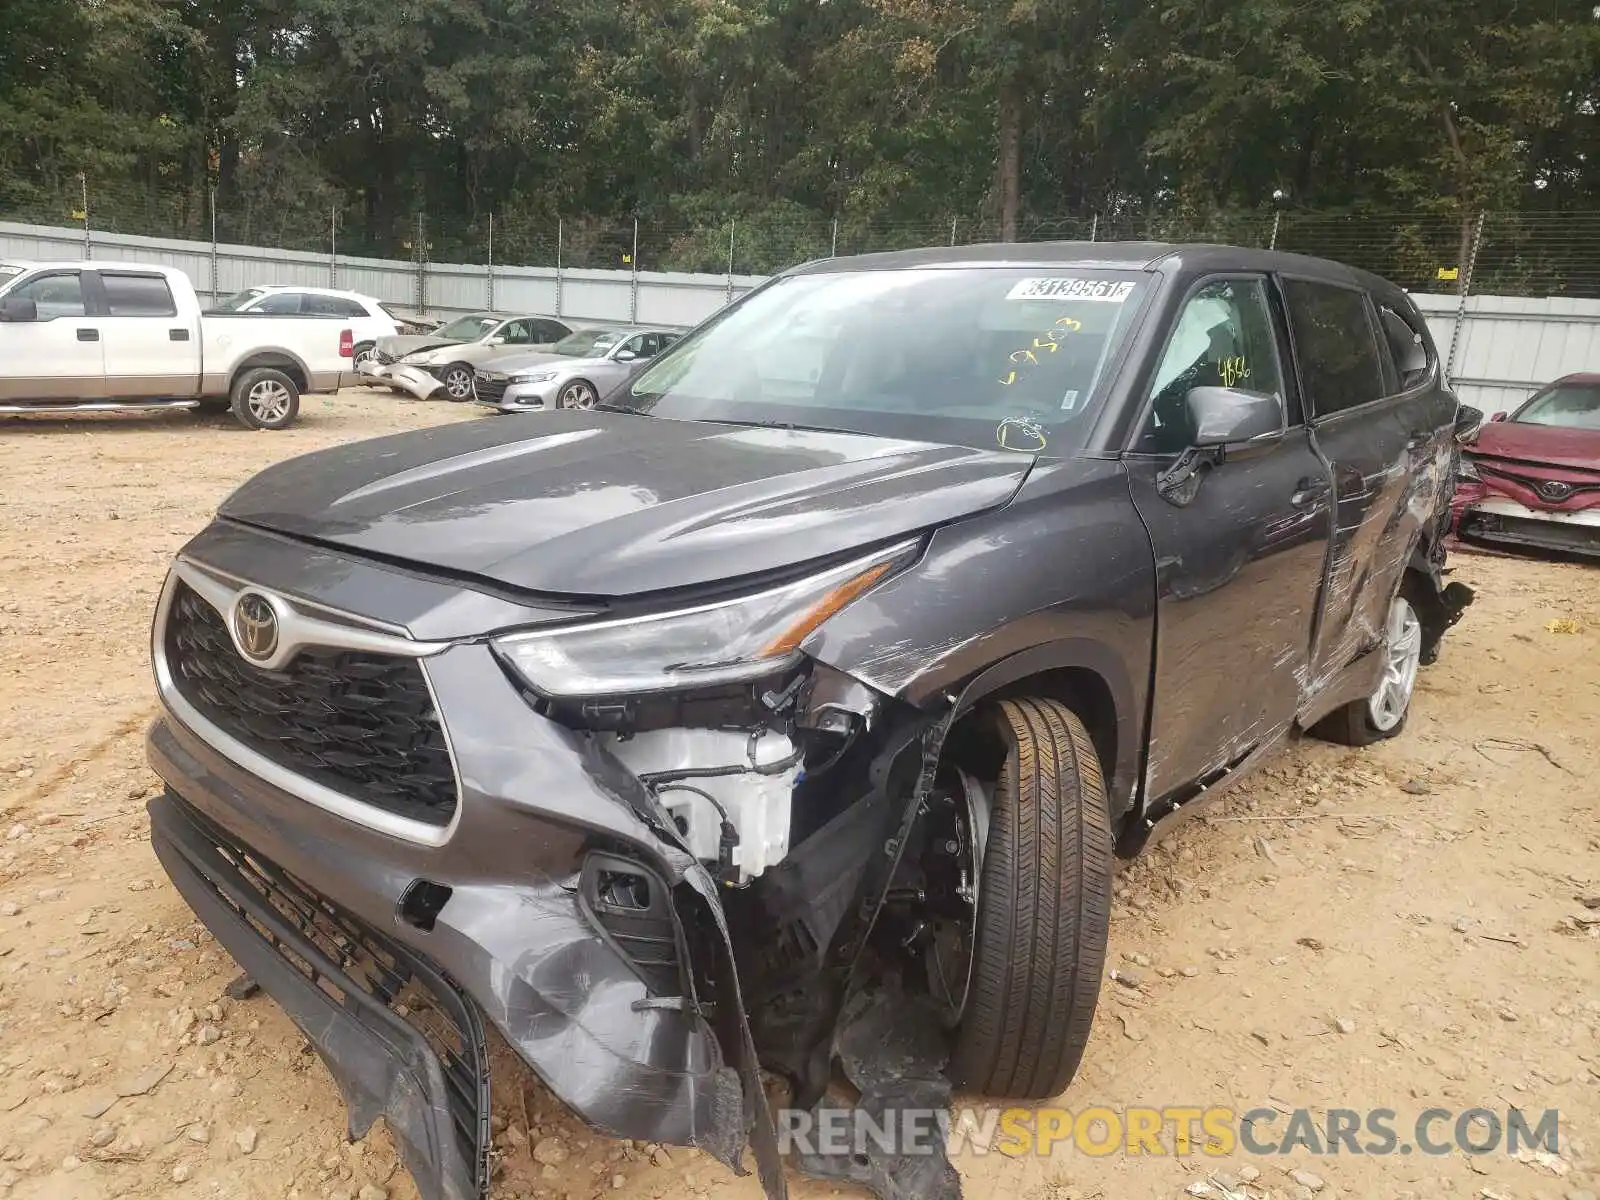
796, 124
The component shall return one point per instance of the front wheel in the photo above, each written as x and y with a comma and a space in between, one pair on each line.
579, 393
364, 352
1382, 715
457, 380
265, 398
1044, 908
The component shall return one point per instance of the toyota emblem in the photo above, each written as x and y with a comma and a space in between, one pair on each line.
1555, 490
255, 626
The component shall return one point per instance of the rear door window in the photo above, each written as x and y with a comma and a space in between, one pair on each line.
331, 306
1334, 342
280, 302
137, 295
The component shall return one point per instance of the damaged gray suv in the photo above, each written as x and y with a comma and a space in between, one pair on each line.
784, 714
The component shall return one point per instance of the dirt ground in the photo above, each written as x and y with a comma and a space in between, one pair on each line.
1398, 928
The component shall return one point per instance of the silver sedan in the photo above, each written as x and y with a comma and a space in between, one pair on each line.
575, 373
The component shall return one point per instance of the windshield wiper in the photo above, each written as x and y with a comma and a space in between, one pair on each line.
791, 426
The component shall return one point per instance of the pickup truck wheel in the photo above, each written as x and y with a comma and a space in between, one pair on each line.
364, 352
457, 380
1044, 908
265, 398
1383, 714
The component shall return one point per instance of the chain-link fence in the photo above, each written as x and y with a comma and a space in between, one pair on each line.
1515, 254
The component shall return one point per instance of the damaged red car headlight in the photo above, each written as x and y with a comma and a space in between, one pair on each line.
726, 642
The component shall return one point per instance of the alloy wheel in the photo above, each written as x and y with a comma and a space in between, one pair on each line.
269, 402
1402, 655
577, 395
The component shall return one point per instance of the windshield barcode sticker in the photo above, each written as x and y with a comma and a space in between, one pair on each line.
1107, 291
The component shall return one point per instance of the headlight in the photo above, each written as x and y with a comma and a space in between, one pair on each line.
419, 358
1467, 469
533, 377
726, 642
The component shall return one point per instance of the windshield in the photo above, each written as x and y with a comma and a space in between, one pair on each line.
979, 356
467, 329
1571, 405
587, 343
238, 300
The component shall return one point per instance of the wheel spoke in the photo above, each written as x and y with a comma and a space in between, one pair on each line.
1402, 652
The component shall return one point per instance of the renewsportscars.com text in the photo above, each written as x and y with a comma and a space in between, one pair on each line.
1170, 1130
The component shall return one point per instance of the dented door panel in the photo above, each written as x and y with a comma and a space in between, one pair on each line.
1238, 571
1389, 463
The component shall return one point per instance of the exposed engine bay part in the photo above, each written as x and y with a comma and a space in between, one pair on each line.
728, 792
838, 703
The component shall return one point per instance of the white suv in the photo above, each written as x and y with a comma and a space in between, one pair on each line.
366, 316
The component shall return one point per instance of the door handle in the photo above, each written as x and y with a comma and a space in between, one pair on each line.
178, 335
1308, 492
88, 335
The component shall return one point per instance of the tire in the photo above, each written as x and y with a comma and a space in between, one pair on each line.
1044, 909
265, 398
363, 350
579, 393
457, 380
1383, 715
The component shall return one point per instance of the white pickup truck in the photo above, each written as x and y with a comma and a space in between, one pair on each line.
103, 337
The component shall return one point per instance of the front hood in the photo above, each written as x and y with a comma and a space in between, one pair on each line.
412, 342
614, 504
1574, 449
480, 354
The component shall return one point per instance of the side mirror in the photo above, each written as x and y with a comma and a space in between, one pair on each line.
626, 356
1223, 416
1499, 416
1467, 420
497, 340
15, 308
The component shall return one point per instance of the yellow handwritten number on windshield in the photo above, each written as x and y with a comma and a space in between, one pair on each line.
1049, 340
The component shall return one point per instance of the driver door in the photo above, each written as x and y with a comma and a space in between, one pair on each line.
1239, 556
59, 356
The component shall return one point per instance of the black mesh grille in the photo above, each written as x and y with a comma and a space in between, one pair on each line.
362, 724
337, 951
490, 391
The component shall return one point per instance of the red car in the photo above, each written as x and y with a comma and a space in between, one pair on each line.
1533, 478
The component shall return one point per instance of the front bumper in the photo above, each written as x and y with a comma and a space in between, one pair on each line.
418, 381
516, 934
423, 1063
521, 397
1499, 520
